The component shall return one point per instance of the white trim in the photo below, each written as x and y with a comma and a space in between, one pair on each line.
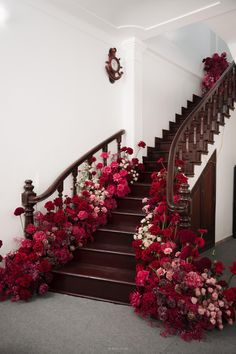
172, 19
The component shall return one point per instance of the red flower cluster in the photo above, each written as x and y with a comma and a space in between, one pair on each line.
67, 224
214, 68
173, 283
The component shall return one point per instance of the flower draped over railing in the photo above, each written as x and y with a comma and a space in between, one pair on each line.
173, 283
214, 67
67, 224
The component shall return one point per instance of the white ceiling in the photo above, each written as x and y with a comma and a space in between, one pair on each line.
143, 18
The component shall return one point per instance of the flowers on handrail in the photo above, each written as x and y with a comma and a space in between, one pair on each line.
174, 284
67, 224
214, 67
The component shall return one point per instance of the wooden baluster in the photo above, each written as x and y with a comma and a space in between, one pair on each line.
26, 198
60, 190
234, 83
214, 123
230, 92
74, 176
118, 141
194, 132
105, 149
201, 145
225, 98
185, 201
208, 112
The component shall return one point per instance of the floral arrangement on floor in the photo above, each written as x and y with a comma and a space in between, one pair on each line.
67, 224
214, 67
174, 284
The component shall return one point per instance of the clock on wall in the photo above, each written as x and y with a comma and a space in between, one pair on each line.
113, 66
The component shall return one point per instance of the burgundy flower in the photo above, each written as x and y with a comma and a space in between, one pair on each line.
142, 144
219, 267
186, 236
43, 289
233, 268
200, 242
203, 263
49, 206
129, 150
19, 211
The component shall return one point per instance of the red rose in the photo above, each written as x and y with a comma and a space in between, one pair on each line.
219, 267
161, 159
19, 211
230, 294
200, 242
233, 268
58, 202
202, 231
24, 281
49, 206
44, 266
179, 163
142, 144
30, 229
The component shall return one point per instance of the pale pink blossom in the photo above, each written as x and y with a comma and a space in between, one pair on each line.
160, 271
193, 300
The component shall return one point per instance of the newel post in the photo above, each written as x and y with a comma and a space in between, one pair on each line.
185, 200
28, 204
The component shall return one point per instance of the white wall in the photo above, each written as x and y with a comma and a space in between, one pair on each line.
56, 101
173, 71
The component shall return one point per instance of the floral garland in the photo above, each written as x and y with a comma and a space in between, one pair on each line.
67, 224
174, 284
214, 67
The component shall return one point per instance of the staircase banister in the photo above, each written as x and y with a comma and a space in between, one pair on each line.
53, 187
187, 122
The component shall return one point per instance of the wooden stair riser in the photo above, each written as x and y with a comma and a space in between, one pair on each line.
100, 289
140, 190
125, 219
114, 238
131, 203
101, 258
145, 177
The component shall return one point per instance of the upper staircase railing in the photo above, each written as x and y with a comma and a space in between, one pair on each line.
193, 135
30, 198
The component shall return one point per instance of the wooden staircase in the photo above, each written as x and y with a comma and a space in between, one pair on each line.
105, 269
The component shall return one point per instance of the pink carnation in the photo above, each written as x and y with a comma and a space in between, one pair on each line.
135, 299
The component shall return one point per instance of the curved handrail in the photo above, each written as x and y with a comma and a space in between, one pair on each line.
179, 135
33, 199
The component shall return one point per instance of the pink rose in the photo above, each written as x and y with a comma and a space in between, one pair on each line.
83, 215
168, 250
194, 300
160, 271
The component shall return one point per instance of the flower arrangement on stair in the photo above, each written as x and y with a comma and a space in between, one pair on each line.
214, 67
174, 284
67, 224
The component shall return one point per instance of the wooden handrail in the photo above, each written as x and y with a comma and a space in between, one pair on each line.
29, 197
185, 126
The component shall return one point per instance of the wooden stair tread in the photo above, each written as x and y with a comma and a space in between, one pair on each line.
108, 247
119, 275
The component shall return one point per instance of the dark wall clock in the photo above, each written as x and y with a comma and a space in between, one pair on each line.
113, 66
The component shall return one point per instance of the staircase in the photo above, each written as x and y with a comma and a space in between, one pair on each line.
105, 269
